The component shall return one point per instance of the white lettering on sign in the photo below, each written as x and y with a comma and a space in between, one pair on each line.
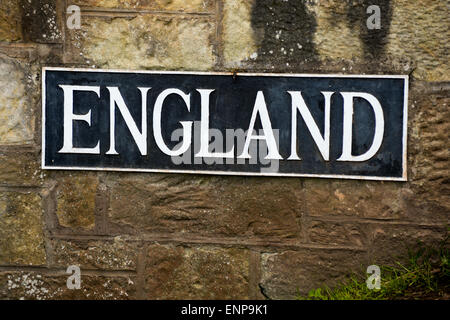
187, 125
323, 143
69, 118
348, 126
259, 110
139, 137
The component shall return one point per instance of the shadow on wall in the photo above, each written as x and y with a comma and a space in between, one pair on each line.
373, 40
286, 32
286, 29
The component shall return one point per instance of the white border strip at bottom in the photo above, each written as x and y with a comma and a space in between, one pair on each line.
233, 173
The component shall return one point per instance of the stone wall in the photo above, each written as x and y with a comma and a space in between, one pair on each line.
172, 236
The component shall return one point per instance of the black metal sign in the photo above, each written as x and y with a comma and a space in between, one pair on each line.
331, 126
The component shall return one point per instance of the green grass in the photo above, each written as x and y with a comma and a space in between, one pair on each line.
426, 275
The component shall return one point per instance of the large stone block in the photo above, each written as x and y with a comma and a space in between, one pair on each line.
392, 243
365, 199
10, 21
145, 41
284, 275
103, 255
420, 30
43, 286
334, 36
20, 169
76, 196
265, 208
429, 155
239, 39
16, 119
413, 34
21, 229
191, 6
196, 273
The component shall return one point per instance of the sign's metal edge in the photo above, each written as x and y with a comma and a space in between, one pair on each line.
377, 178
231, 173
405, 130
43, 123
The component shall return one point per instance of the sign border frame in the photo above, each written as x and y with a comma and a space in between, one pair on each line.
234, 173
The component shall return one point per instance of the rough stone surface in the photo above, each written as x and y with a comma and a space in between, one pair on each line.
10, 21
146, 41
112, 255
417, 31
429, 156
420, 30
40, 21
365, 199
238, 36
215, 206
16, 122
284, 275
20, 168
284, 33
196, 273
337, 233
196, 6
76, 201
41, 286
21, 229
392, 243
335, 37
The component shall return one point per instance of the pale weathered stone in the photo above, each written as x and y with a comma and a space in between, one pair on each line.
238, 36
21, 229
334, 37
76, 201
196, 273
285, 275
266, 208
420, 30
196, 6
410, 30
44, 286
16, 122
104, 255
146, 41
20, 169
10, 21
